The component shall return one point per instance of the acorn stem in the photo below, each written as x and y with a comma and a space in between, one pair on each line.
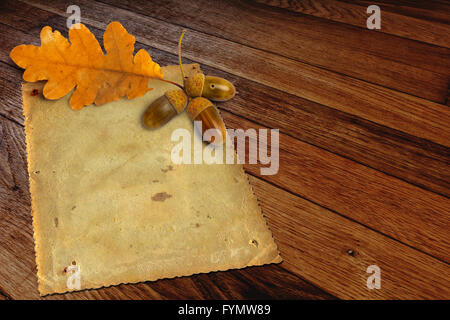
179, 53
181, 65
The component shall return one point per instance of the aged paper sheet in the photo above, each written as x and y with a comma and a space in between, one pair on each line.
110, 207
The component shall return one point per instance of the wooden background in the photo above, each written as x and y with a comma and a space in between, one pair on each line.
364, 139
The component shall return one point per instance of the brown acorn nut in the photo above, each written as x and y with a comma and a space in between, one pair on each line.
210, 87
201, 109
163, 109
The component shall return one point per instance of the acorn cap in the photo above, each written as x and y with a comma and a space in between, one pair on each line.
194, 85
196, 106
177, 98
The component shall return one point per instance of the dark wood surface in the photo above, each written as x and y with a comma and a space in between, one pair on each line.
364, 139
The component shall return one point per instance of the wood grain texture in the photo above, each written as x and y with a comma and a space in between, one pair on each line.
430, 10
334, 253
395, 20
374, 199
10, 80
24, 17
18, 273
317, 233
415, 160
331, 216
393, 207
397, 110
377, 58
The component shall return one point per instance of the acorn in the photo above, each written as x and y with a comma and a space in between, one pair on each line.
166, 107
202, 109
210, 87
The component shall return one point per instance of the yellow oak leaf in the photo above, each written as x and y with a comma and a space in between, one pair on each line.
81, 64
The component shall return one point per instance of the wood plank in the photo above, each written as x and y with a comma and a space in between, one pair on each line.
334, 253
430, 10
393, 207
393, 62
313, 241
399, 111
394, 20
415, 160
24, 17
267, 282
10, 91
18, 273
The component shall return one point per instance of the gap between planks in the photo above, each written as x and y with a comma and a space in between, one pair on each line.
3, 296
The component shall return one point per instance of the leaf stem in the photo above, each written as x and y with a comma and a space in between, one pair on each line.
171, 82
